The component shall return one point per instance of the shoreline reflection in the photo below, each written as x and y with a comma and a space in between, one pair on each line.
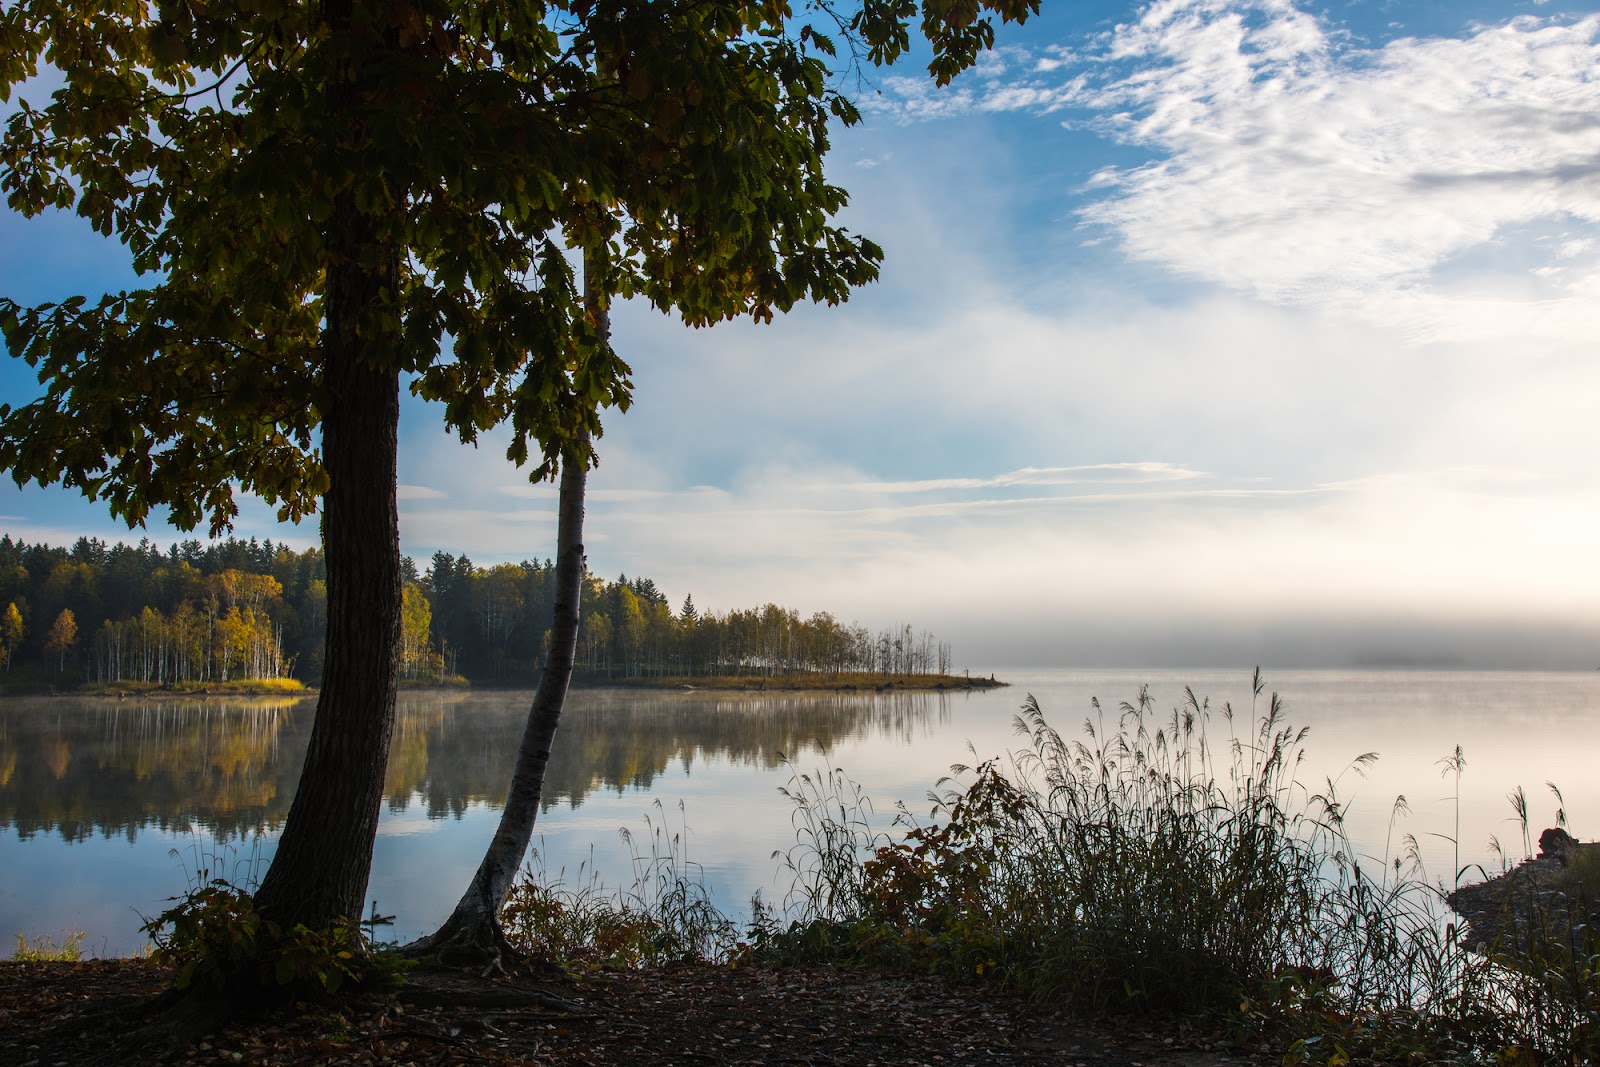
78, 768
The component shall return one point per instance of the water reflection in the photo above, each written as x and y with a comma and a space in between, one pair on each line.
229, 767
77, 767
179, 774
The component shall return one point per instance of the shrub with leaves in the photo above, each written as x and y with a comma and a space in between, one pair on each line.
216, 941
1120, 870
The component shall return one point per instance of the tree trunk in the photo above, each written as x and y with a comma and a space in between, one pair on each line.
319, 873
472, 933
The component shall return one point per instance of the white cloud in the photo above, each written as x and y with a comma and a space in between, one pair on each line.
1305, 172
1394, 183
1239, 462
419, 492
1446, 544
1099, 473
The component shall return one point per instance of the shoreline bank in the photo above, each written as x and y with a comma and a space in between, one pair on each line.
730, 683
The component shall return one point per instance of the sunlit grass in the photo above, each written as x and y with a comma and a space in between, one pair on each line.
44, 949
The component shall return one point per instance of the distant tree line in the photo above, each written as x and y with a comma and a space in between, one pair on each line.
198, 612
194, 612
490, 623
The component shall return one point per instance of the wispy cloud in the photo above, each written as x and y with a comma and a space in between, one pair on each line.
419, 492
1098, 473
1292, 164
544, 491
1160, 553
1305, 171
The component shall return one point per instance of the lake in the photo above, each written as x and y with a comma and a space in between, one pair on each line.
108, 807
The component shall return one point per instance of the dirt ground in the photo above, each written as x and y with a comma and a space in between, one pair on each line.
64, 1013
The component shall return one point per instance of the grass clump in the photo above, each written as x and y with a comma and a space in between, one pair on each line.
216, 941
1580, 878
1125, 871
663, 916
43, 949
260, 686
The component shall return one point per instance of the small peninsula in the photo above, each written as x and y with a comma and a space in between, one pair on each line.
808, 681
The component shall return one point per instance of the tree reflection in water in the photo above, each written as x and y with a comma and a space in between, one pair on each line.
77, 767
228, 767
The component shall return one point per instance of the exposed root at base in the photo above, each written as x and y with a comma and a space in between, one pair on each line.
478, 944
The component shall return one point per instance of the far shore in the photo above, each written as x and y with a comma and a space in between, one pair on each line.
796, 682
276, 689
804, 682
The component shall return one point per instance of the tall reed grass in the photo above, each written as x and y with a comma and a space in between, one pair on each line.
663, 915
1171, 863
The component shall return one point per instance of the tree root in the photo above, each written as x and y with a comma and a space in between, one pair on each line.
476, 940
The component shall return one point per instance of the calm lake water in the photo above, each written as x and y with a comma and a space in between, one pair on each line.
108, 808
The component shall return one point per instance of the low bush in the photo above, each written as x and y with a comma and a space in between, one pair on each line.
216, 941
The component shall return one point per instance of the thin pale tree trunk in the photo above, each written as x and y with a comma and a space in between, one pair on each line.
473, 932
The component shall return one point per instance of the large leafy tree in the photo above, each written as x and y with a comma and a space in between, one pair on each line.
325, 199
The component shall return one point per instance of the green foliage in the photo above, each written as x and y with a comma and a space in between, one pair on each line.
1581, 876
148, 614
491, 622
429, 158
43, 949
216, 942
1551, 970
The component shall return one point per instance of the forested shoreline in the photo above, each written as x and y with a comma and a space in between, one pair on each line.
232, 612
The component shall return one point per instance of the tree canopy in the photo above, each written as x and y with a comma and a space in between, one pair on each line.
681, 140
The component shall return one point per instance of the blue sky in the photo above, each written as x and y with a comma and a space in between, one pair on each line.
1211, 331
